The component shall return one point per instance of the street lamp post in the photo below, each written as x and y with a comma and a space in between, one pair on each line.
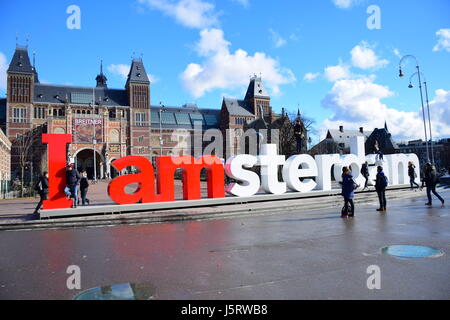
94, 141
428, 110
161, 141
421, 96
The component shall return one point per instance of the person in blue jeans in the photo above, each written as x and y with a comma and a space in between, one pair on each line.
412, 175
430, 180
73, 181
348, 192
381, 183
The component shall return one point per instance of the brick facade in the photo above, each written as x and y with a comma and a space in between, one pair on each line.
123, 121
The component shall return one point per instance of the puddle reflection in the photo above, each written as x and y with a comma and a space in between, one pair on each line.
121, 291
408, 251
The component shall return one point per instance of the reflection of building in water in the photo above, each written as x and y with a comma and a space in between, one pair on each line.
125, 121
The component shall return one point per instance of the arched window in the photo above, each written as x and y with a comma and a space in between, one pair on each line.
114, 136
59, 130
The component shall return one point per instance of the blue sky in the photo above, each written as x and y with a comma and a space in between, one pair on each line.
317, 54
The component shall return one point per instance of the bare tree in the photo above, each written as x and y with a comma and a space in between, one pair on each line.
286, 125
25, 145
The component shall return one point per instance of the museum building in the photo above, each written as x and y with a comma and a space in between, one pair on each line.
113, 122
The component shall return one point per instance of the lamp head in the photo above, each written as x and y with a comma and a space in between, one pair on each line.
400, 73
410, 86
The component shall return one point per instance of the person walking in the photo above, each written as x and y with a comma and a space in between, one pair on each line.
381, 183
430, 179
42, 188
73, 181
412, 175
348, 192
298, 134
365, 174
84, 186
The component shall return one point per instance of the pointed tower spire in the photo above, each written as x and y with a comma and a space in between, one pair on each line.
20, 62
36, 77
385, 126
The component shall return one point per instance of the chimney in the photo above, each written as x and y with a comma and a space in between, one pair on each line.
361, 129
341, 128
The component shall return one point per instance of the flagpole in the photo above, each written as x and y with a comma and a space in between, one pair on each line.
93, 140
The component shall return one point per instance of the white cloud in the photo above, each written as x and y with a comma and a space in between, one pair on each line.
309, 77
340, 71
3, 68
440, 113
119, 69
222, 69
364, 57
358, 103
212, 41
443, 40
122, 70
345, 4
189, 13
397, 53
277, 39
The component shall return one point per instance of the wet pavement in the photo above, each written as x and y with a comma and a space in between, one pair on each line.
291, 255
19, 210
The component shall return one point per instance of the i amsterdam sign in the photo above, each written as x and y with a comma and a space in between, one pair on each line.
301, 173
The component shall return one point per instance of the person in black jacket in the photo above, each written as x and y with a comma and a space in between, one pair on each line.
430, 179
42, 188
84, 186
73, 181
365, 173
412, 175
381, 183
299, 135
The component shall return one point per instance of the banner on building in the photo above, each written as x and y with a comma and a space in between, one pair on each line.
84, 130
114, 148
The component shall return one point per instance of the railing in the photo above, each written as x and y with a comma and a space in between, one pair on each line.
5, 190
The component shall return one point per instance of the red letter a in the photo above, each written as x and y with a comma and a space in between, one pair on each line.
146, 180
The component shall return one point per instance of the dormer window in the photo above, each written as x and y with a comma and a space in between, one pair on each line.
20, 64
40, 95
138, 74
57, 97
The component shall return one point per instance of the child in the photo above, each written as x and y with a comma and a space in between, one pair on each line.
84, 185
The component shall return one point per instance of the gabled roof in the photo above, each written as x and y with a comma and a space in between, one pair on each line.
256, 89
384, 139
237, 107
47, 93
137, 72
345, 135
257, 124
21, 61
